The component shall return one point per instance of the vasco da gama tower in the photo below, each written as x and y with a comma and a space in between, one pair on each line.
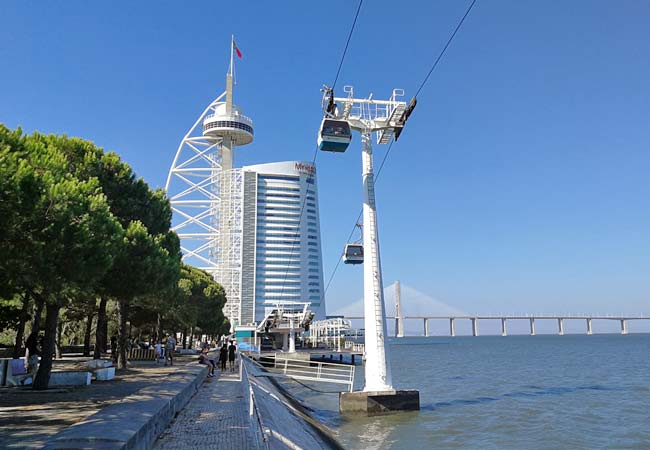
256, 229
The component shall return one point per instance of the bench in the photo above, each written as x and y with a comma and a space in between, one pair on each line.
102, 370
142, 354
77, 378
15, 373
105, 374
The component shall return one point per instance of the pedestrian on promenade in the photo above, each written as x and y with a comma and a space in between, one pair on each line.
204, 358
33, 352
159, 351
223, 356
232, 348
170, 346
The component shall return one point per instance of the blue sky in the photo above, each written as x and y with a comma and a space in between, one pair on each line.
520, 183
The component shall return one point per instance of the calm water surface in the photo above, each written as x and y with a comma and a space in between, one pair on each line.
515, 392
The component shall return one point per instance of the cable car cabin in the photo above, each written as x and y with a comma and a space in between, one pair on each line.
334, 135
353, 254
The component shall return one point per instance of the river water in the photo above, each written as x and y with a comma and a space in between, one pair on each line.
515, 392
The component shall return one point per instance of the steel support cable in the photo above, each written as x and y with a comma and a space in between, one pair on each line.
338, 263
424, 82
347, 43
451, 38
313, 162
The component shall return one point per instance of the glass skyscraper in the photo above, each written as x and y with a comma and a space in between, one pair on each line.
280, 245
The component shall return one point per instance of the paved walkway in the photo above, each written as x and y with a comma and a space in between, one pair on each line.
28, 418
216, 418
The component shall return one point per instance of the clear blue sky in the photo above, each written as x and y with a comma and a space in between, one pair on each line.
520, 183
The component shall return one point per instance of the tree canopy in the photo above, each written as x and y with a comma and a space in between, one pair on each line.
78, 225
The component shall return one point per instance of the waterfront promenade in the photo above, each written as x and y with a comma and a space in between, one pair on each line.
153, 406
29, 418
216, 418
244, 410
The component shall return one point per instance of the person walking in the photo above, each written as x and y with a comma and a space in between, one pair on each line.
232, 348
33, 352
223, 357
159, 351
170, 347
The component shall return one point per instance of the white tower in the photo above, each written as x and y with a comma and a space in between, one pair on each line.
205, 192
386, 118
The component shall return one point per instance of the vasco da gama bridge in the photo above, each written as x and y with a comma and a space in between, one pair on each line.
474, 319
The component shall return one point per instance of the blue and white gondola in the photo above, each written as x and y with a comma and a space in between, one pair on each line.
353, 254
334, 135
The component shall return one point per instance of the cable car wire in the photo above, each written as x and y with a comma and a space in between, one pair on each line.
338, 263
424, 82
313, 161
345, 50
451, 38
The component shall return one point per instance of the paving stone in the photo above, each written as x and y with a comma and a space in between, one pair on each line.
216, 418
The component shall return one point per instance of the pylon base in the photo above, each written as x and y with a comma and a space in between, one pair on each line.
379, 402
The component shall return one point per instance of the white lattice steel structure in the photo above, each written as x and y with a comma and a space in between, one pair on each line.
206, 193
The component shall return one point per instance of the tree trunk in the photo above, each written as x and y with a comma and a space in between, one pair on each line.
192, 337
38, 313
59, 333
160, 328
184, 339
20, 331
88, 333
101, 335
45, 367
122, 338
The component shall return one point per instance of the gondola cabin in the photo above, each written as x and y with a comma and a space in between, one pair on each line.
334, 135
353, 254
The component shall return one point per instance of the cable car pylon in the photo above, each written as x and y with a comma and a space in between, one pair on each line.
385, 118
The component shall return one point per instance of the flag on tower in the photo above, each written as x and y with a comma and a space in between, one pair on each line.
234, 46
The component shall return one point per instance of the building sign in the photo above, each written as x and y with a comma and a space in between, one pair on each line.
305, 168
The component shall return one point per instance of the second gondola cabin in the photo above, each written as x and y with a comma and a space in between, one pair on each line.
334, 135
353, 254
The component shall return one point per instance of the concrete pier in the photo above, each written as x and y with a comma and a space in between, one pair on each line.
452, 328
623, 326
372, 403
504, 331
426, 327
474, 326
560, 326
589, 329
532, 326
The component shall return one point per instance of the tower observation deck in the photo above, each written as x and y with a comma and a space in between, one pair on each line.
205, 192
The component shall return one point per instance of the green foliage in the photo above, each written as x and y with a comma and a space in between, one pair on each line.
60, 235
9, 311
198, 301
78, 224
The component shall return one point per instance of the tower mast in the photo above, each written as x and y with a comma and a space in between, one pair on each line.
205, 192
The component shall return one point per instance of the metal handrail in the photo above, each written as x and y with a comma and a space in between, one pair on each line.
300, 369
254, 410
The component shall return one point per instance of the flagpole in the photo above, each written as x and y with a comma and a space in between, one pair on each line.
232, 52
229, 76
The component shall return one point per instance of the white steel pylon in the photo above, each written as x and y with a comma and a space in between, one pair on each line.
206, 193
193, 190
386, 118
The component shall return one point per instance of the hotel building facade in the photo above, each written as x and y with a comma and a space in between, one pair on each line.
278, 257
